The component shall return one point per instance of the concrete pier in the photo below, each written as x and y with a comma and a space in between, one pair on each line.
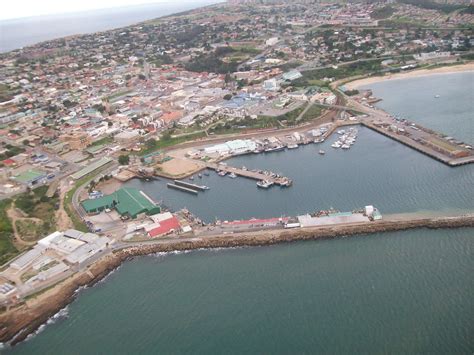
181, 188
281, 181
424, 142
190, 186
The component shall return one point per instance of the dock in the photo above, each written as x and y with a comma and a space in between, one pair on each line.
181, 188
255, 175
424, 141
188, 185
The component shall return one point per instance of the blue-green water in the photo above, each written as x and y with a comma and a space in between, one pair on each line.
414, 98
396, 293
404, 292
376, 170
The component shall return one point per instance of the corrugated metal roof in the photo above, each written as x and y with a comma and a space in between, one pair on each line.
90, 168
127, 201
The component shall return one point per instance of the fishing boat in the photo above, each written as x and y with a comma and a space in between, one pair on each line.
264, 184
276, 148
322, 152
286, 183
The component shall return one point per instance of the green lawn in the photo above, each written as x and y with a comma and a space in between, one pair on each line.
313, 112
7, 249
170, 141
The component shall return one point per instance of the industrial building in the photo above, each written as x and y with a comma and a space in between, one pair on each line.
126, 201
92, 167
237, 146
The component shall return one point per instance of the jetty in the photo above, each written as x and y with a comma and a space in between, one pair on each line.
251, 174
190, 185
433, 144
181, 188
423, 140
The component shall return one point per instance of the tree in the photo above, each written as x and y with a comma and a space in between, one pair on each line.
227, 96
123, 159
26, 142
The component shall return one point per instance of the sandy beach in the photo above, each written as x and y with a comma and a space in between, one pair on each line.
412, 74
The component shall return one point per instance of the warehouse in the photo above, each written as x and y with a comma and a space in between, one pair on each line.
92, 167
126, 201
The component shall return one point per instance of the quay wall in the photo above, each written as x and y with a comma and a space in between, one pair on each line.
418, 147
20, 321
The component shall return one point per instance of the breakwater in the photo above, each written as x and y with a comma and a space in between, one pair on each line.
25, 319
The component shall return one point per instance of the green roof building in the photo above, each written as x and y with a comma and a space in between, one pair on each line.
127, 201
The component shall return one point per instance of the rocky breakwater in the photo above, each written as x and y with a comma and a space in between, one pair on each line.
17, 323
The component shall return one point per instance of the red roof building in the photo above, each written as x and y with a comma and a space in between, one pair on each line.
166, 226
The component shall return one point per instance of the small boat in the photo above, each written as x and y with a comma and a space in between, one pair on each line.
205, 187
319, 140
341, 132
191, 178
275, 149
222, 173
292, 146
200, 175
232, 175
322, 152
336, 145
437, 96
286, 183
264, 184
345, 146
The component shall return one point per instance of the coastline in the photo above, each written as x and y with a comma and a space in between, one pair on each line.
467, 67
18, 323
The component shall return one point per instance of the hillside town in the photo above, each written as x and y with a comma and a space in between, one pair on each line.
82, 114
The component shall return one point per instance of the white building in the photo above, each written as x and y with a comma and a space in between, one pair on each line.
271, 85
271, 41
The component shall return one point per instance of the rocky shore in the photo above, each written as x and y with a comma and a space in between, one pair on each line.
17, 323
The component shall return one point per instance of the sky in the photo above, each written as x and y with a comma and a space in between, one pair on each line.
26, 8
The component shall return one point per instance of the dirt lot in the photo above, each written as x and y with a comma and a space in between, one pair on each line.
178, 167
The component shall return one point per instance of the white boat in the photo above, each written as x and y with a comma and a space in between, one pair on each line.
345, 146
437, 96
191, 178
264, 184
341, 132
322, 152
336, 145
222, 173
292, 146
232, 175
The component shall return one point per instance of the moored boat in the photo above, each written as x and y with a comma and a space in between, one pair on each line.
264, 184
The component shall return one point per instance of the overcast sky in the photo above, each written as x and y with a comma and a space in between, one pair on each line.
26, 8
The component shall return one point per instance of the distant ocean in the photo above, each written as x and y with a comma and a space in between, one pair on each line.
21, 32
